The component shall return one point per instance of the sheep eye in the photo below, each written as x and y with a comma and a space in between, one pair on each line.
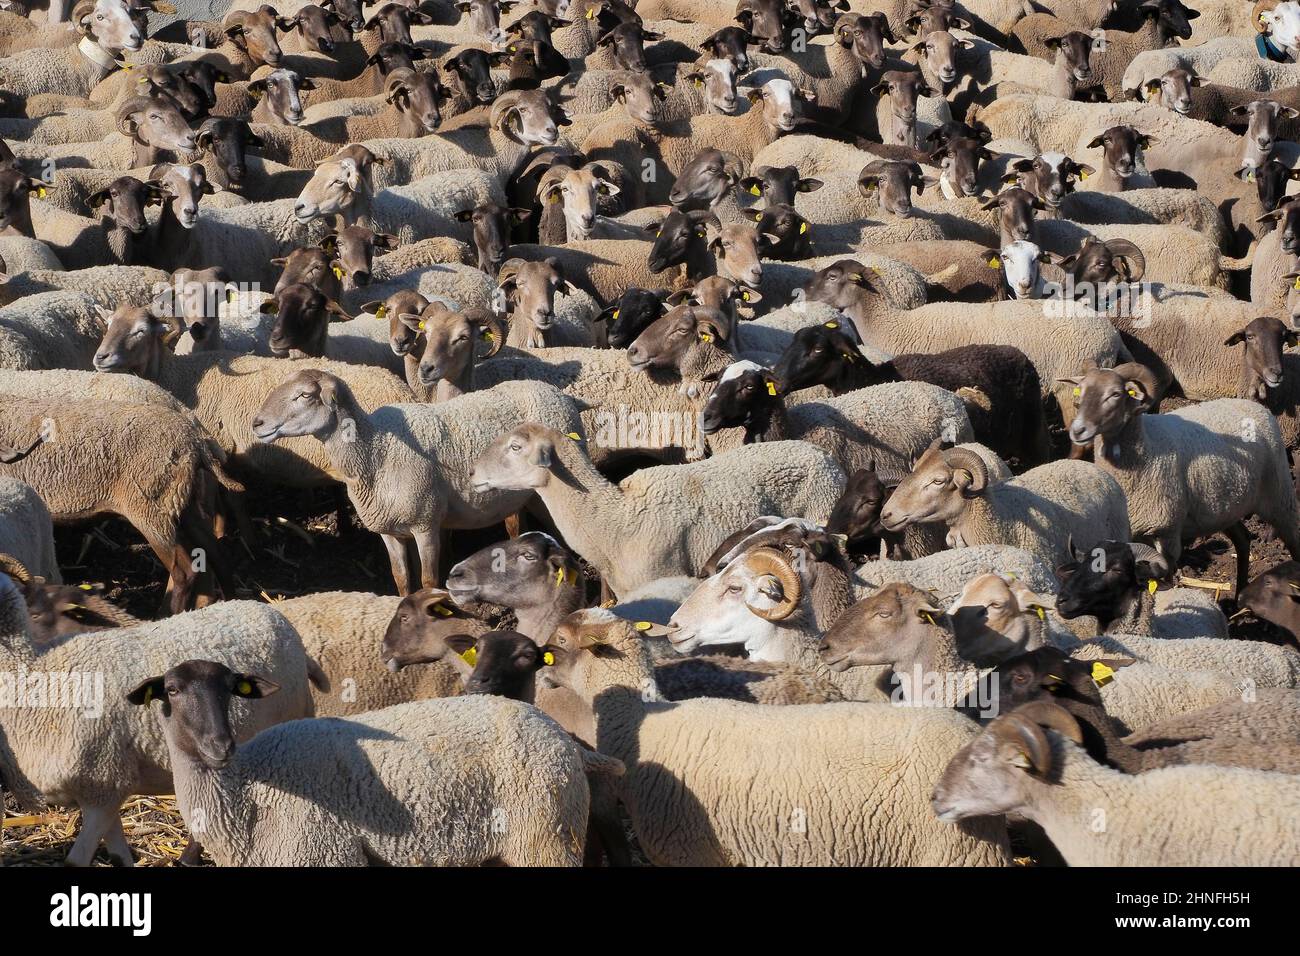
733, 588
528, 557
515, 446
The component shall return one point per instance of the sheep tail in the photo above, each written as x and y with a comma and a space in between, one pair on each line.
1228, 264
598, 765
214, 459
316, 674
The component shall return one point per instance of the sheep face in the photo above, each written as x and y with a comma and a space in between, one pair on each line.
892, 625
353, 250
818, 15
856, 514
865, 36
782, 103
402, 336
155, 121
1271, 180
195, 711
505, 665
1015, 208
110, 25
667, 341
227, 142
1274, 596
281, 95
485, 15
816, 355
1107, 399
188, 96
580, 191
992, 617
778, 184
704, 180
393, 21
1100, 263
631, 315
450, 339
1073, 54
1261, 121
491, 232
194, 299
396, 56
302, 317
1172, 89
304, 404
1173, 19
717, 79
959, 158
519, 460
1049, 176
317, 27
718, 292
309, 266
335, 184
124, 201
744, 602
731, 43
205, 76
1020, 263
738, 248
1097, 582
1287, 217
537, 25
782, 233
521, 572
904, 88
934, 18
937, 489
640, 95
992, 774
349, 11
941, 53
627, 44
1264, 339
529, 117
676, 236
254, 34
578, 645
422, 630
1119, 145
132, 340
416, 96
744, 393
892, 182
767, 21
530, 289
470, 74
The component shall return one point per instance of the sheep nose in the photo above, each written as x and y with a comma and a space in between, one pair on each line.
636, 353
258, 423
588, 221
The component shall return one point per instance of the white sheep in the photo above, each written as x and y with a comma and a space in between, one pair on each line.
26, 530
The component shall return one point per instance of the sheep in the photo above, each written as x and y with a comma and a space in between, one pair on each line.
158, 487
343, 632
675, 535
224, 390
57, 756
1271, 597
382, 808
72, 70
1006, 768
1269, 715
1112, 585
947, 572
57, 610
661, 743
27, 531
1189, 472
402, 491
1072, 687
529, 289
1038, 511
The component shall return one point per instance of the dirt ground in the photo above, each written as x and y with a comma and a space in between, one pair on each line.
302, 550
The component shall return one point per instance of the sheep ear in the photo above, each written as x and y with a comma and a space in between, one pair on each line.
105, 316
1236, 338
544, 455
336, 310
150, 690
1094, 142
269, 307
252, 687
465, 215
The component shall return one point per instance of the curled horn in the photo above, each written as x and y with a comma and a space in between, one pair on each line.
15, 569
1144, 376
488, 320
1072, 548
966, 459
1052, 716
773, 562
1124, 249
126, 110
1026, 736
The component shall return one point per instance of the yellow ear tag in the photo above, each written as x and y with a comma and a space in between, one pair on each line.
699, 82
571, 578
441, 611
1082, 174
744, 296
231, 295
643, 625
148, 695
803, 227
928, 617
40, 192
514, 49
1077, 391
487, 334
470, 657
1250, 176
995, 263
757, 191
85, 587
1296, 285
1041, 615
555, 197
1102, 674
614, 315
548, 659
420, 326
591, 12
338, 273
381, 312
706, 337
1151, 586
771, 388
244, 687
574, 435
1131, 392
832, 325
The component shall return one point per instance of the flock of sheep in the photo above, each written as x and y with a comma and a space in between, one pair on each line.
804, 361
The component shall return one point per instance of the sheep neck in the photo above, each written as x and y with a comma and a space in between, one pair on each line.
585, 506
539, 621
935, 653
1102, 742
171, 239
1063, 82
857, 374
767, 421
348, 443
99, 62
1134, 614
1110, 181
122, 243
1124, 451
1065, 805
219, 795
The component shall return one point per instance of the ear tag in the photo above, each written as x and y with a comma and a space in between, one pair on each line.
1082, 174
756, 190
1296, 284
1151, 586
40, 192
614, 316
643, 625
1250, 175
420, 326
559, 576
1102, 674
548, 659
86, 587
231, 295
487, 334
571, 578
699, 82
1041, 615
148, 695
555, 198
744, 296
574, 435
699, 233
929, 618
803, 227
1077, 391
514, 49
338, 273
832, 325
244, 687
381, 312
470, 656
771, 388
706, 337
591, 12
1131, 392
995, 262
441, 611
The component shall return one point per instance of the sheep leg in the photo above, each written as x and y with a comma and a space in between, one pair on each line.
427, 543
198, 532
97, 822
397, 558
1240, 538
192, 855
